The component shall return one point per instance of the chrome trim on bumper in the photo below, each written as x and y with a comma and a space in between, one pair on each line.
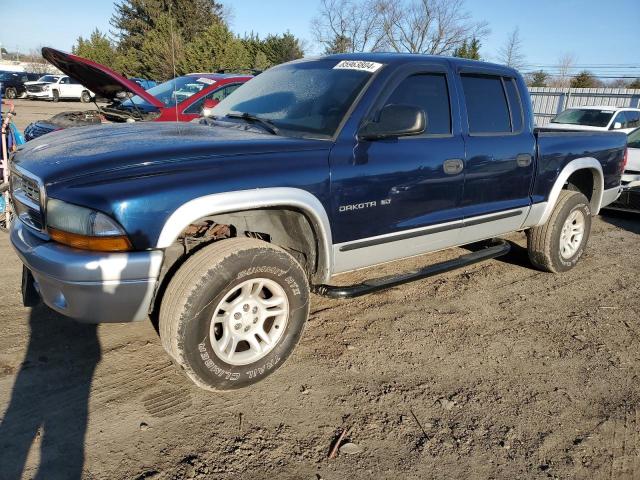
90, 287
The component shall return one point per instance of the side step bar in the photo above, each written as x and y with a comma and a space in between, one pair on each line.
496, 248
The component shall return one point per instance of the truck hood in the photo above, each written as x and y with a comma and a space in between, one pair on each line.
140, 149
99, 79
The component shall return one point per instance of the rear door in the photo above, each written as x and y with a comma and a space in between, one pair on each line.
500, 153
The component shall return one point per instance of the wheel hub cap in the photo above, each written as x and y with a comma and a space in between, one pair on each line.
249, 321
572, 234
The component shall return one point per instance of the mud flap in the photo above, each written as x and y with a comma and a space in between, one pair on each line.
30, 295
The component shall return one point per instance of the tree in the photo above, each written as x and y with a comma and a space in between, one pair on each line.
469, 50
348, 26
436, 27
215, 49
133, 18
97, 47
584, 80
282, 48
511, 52
634, 84
160, 52
340, 44
538, 79
564, 66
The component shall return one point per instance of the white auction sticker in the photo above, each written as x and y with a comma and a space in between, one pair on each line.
206, 80
358, 65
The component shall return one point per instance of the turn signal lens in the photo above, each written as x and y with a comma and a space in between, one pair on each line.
99, 244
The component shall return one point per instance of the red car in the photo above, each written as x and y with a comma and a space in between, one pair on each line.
180, 99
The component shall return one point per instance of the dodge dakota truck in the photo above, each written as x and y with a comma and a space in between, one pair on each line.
221, 229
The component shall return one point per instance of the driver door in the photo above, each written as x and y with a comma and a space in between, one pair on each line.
398, 197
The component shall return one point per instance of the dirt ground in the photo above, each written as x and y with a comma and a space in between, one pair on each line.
496, 371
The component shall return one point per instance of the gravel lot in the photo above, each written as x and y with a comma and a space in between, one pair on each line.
495, 371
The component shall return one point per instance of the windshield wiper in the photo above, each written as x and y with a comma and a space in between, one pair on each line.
263, 122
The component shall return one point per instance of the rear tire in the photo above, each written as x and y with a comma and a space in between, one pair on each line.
234, 312
10, 93
85, 97
55, 96
558, 245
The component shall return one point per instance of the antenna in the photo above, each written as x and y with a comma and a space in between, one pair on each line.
173, 60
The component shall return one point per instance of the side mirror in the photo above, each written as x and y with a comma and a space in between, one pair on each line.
208, 106
616, 126
395, 121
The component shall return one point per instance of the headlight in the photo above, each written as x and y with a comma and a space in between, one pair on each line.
84, 228
46, 88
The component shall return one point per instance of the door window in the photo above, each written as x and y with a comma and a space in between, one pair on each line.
620, 118
515, 105
219, 95
633, 119
487, 108
64, 81
428, 91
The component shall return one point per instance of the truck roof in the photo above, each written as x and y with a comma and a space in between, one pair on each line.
394, 58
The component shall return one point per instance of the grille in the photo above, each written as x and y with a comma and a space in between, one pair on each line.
35, 88
26, 186
35, 130
26, 198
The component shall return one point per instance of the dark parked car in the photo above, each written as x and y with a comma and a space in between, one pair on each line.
13, 83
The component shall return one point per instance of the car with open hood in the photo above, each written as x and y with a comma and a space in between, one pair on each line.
180, 99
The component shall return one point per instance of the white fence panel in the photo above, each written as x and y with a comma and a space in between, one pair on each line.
549, 101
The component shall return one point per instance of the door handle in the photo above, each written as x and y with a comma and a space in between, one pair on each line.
523, 160
453, 166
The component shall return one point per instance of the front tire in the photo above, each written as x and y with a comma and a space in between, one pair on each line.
85, 97
10, 93
55, 96
558, 245
234, 312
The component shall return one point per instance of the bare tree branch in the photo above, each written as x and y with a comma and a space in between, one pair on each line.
511, 52
435, 27
351, 24
565, 64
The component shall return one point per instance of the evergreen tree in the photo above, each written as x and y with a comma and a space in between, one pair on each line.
97, 47
340, 44
133, 18
634, 84
538, 79
161, 47
468, 49
215, 49
282, 48
584, 80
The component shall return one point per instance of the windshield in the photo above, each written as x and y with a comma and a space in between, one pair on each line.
8, 76
585, 116
47, 78
174, 91
306, 98
633, 139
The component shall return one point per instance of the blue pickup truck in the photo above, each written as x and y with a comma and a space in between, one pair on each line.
221, 229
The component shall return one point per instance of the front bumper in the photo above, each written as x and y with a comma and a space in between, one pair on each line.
46, 95
90, 287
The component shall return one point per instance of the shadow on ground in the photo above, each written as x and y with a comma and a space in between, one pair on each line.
629, 221
49, 402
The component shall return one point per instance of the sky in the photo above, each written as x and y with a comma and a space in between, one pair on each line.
595, 32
